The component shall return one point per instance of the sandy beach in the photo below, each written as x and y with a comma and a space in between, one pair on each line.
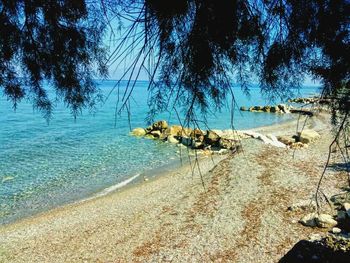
240, 215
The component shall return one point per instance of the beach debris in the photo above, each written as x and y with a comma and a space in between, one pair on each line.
307, 136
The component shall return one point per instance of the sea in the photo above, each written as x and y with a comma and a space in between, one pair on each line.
44, 165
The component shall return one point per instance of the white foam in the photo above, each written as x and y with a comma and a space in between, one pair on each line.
112, 188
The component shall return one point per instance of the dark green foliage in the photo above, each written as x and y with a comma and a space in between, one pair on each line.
55, 41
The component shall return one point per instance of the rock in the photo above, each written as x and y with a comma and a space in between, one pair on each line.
243, 108
287, 140
198, 135
340, 199
156, 134
325, 221
172, 139
267, 108
185, 132
138, 132
258, 108
227, 143
174, 130
309, 220
160, 125
307, 136
315, 237
149, 136
186, 141
283, 108
197, 144
341, 215
212, 138
336, 230
274, 109
346, 207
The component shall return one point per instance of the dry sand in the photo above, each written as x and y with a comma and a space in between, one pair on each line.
240, 216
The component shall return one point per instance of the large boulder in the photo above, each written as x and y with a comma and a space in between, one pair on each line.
160, 125
307, 136
174, 130
138, 132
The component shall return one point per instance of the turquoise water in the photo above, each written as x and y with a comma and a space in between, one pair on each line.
44, 165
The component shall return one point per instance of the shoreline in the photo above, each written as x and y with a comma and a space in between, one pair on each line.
151, 174
172, 217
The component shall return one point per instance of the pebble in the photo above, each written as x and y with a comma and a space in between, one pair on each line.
336, 230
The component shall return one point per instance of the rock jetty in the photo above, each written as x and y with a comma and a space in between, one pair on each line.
280, 108
214, 140
220, 141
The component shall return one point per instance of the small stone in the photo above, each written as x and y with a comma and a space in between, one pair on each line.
315, 237
336, 230
325, 220
309, 220
243, 108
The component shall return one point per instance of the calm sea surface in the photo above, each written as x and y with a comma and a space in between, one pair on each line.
45, 165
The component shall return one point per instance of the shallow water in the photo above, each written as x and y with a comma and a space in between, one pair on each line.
44, 165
